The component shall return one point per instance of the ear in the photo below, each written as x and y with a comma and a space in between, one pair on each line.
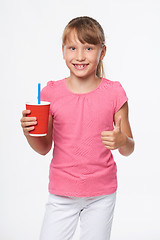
63, 51
103, 52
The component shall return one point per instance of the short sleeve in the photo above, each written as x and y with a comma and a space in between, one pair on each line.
47, 93
120, 97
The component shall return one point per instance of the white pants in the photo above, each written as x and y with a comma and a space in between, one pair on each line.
63, 212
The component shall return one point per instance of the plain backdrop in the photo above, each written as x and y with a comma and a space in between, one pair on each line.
30, 52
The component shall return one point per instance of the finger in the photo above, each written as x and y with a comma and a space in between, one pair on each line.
107, 143
28, 124
28, 119
106, 133
26, 112
107, 139
28, 129
110, 148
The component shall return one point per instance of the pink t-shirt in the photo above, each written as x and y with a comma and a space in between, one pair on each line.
81, 165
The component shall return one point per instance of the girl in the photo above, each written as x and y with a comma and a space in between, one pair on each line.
88, 118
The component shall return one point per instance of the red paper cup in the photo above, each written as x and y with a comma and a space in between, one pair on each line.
41, 112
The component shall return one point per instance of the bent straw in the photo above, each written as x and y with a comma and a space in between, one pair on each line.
39, 93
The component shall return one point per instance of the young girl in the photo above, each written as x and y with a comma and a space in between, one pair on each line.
88, 118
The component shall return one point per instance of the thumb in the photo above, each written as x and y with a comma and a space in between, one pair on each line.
118, 124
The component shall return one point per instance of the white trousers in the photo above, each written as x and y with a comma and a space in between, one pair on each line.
63, 212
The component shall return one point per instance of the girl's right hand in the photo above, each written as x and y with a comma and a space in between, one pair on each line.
27, 123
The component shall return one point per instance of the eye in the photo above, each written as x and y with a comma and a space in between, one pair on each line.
72, 48
89, 48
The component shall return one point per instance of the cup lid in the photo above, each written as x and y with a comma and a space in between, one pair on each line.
35, 103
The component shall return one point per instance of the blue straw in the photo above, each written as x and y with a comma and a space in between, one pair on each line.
39, 93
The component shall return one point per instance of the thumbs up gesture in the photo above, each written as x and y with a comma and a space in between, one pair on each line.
114, 139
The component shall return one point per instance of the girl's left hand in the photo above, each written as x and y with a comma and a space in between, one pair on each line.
114, 139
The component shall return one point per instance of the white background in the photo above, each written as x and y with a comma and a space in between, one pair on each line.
30, 52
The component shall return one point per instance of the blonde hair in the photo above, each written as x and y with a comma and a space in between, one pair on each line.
88, 30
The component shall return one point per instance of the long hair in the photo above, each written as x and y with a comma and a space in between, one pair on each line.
88, 30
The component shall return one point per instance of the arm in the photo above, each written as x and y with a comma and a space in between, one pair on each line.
41, 145
121, 137
128, 146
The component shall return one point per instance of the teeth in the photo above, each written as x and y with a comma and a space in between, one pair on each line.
80, 66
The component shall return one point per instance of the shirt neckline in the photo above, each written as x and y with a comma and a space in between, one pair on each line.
82, 94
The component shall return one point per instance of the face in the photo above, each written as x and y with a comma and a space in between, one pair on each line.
82, 59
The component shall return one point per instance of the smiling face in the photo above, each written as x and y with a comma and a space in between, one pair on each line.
82, 58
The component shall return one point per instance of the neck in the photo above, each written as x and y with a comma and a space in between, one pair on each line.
82, 85
83, 80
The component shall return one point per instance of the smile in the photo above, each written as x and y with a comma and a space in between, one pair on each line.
80, 66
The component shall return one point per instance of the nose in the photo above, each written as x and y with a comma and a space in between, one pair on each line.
80, 55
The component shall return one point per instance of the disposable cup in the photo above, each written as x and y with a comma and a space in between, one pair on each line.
41, 112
